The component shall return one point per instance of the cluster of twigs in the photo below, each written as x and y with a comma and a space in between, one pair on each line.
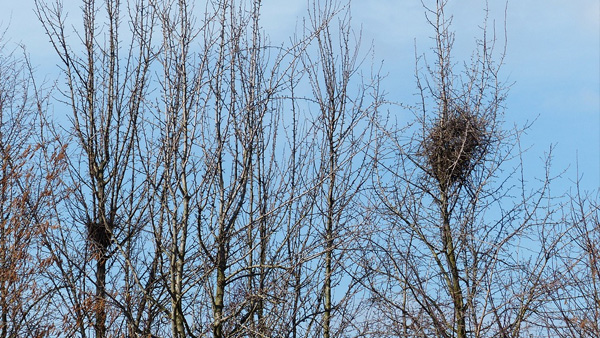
454, 145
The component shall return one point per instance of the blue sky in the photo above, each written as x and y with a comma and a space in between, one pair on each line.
553, 59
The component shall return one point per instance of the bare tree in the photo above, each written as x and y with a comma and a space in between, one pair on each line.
211, 174
240, 217
449, 262
26, 200
105, 83
175, 180
574, 306
345, 103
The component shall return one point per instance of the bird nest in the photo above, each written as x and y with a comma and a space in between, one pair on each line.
454, 145
99, 234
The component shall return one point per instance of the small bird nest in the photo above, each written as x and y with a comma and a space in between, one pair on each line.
99, 234
454, 145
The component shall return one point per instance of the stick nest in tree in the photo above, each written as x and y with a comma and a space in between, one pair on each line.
454, 146
99, 234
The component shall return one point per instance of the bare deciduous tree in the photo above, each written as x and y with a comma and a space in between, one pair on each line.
449, 262
26, 201
574, 306
344, 105
106, 80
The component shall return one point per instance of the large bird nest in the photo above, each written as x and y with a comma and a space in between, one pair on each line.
454, 145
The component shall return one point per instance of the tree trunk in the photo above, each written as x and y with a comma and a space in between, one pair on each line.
456, 292
100, 306
329, 241
220, 292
